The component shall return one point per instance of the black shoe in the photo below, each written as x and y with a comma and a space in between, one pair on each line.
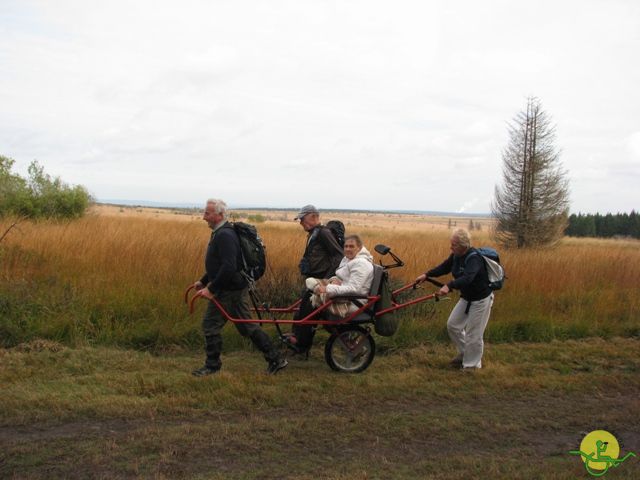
204, 371
469, 369
456, 362
277, 365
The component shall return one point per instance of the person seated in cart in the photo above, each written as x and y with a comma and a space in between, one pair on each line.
353, 278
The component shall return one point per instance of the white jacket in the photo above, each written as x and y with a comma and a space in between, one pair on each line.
356, 275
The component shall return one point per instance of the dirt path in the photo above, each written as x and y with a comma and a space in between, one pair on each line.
393, 437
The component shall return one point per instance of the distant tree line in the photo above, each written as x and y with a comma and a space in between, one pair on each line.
39, 195
609, 225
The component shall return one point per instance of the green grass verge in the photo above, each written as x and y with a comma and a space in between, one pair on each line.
116, 413
153, 320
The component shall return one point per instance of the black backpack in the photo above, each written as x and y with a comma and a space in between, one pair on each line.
254, 259
337, 229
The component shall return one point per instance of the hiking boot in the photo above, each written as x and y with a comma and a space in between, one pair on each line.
277, 365
204, 371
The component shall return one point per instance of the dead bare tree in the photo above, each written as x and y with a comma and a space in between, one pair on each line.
12, 226
532, 204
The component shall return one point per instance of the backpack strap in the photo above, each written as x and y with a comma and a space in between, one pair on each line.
243, 267
313, 236
474, 251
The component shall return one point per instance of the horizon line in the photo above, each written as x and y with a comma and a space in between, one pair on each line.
189, 205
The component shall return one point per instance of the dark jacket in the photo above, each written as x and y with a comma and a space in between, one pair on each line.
223, 261
322, 255
469, 273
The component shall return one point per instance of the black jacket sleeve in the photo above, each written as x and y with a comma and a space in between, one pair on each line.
472, 267
442, 269
227, 246
226, 251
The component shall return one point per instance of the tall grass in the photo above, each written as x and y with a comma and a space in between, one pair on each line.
119, 280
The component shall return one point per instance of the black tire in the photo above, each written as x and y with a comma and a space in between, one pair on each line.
350, 350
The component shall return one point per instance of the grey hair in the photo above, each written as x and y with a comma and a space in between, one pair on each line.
355, 238
219, 206
463, 236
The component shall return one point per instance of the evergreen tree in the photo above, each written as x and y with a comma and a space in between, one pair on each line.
634, 224
531, 206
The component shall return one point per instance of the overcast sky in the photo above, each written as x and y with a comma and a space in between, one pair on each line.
344, 104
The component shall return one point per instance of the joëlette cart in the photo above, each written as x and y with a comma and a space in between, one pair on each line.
351, 346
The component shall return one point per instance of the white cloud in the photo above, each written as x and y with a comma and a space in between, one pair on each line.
398, 106
633, 144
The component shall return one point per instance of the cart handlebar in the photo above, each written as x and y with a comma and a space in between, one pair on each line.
186, 294
435, 282
191, 303
380, 249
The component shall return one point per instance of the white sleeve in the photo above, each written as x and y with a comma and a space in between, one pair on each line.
359, 281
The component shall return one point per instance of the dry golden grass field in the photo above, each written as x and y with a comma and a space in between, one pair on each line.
97, 348
116, 277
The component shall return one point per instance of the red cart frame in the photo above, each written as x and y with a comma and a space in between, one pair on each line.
350, 347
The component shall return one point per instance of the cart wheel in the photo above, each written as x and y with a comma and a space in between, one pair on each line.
350, 350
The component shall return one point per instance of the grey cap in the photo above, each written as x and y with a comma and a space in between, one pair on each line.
307, 209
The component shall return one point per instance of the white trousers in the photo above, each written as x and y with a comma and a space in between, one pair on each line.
467, 329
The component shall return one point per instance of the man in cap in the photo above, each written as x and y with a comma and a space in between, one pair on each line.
322, 256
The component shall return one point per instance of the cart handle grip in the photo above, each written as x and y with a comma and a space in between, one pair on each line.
186, 294
428, 279
191, 303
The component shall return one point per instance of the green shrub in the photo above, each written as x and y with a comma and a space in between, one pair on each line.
39, 195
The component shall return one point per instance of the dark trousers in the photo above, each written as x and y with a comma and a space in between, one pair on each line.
237, 304
304, 333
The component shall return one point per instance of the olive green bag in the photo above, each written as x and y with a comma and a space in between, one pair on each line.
387, 324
